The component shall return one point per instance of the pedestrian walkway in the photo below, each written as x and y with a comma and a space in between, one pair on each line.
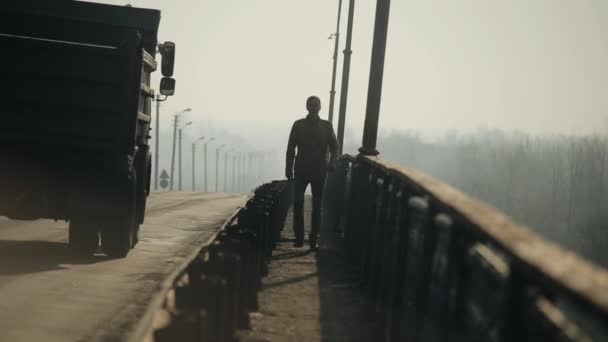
310, 296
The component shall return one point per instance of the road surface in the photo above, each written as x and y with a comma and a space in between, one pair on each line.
48, 295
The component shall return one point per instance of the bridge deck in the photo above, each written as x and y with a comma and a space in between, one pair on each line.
310, 296
48, 295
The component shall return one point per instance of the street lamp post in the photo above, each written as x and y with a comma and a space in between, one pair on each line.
332, 92
345, 76
239, 172
372, 112
226, 169
179, 156
194, 162
243, 172
233, 186
156, 140
175, 122
217, 166
205, 162
251, 179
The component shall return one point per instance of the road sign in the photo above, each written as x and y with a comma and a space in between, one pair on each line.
164, 183
164, 179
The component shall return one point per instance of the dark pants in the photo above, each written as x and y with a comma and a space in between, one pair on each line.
316, 184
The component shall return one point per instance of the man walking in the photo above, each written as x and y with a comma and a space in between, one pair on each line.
312, 137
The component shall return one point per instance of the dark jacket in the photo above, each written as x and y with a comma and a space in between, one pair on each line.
313, 137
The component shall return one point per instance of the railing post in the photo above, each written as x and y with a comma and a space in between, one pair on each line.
414, 270
487, 295
357, 200
396, 267
436, 322
367, 226
386, 257
378, 233
350, 230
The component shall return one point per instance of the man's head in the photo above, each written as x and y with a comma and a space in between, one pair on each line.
313, 105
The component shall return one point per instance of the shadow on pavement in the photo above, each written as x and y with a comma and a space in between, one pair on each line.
347, 312
21, 257
291, 254
290, 280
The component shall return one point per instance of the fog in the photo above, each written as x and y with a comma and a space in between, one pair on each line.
507, 100
555, 184
536, 66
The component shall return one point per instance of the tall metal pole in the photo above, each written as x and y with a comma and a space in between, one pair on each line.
225, 169
233, 186
179, 156
217, 168
244, 172
332, 92
239, 172
247, 169
175, 122
179, 161
205, 165
173, 152
193, 163
156, 127
372, 113
345, 76
156, 142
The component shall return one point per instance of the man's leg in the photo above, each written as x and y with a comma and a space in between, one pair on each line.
317, 186
298, 209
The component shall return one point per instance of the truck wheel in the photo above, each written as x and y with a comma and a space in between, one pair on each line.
83, 237
143, 190
117, 236
118, 231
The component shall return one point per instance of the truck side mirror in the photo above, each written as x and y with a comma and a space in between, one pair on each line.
167, 86
167, 51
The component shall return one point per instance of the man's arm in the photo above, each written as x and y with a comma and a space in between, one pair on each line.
291, 152
333, 148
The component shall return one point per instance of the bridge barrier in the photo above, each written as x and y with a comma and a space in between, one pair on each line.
442, 266
211, 297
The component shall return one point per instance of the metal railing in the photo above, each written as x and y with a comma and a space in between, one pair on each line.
209, 297
442, 266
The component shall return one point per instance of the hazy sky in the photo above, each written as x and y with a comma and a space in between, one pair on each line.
534, 65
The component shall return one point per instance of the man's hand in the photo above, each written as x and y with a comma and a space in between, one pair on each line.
289, 174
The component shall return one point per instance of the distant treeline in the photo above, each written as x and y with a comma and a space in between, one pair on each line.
558, 184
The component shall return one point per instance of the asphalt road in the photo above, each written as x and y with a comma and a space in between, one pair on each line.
48, 295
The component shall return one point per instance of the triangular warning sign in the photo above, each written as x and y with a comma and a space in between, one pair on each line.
164, 175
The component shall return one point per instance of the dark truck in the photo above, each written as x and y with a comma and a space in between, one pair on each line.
75, 117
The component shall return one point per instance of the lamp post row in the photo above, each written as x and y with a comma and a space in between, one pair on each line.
177, 145
238, 163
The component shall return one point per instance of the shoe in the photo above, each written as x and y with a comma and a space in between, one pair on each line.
298, 244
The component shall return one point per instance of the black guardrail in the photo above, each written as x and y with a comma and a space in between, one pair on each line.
442, 266
212, 297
